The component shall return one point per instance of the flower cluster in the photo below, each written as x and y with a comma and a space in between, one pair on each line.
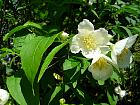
95, 45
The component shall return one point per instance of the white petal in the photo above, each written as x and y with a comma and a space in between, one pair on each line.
4, 96
64, 35
131, 41
118, 89
119, 46
123, 59
85, 25
114, 57
74, 47
101, 70
122, 93
102, 36
92, 54
104, 49
90, 2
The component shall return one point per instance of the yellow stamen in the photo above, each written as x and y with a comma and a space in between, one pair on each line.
88, 42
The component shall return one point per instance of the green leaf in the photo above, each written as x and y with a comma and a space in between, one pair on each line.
18, 28
101, 82
135, 29
111, 99
127, 30
74, 84
32, 24
1, 3
56, 91
94, 12
13, 84
116, 77
32, 52
18, 42
80, 93
85, 65
49, 58
70, 64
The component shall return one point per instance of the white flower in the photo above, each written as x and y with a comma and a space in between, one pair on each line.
121, 54
121, 92
101, 67
88, 40
4, 96
64, 35
90, 2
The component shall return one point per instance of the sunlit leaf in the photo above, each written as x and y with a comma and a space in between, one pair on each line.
49, 58
70, 63
32, 52
13, 84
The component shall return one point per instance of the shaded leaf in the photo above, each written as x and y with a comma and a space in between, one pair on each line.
111, 99
56, 91
127, 30
18, 28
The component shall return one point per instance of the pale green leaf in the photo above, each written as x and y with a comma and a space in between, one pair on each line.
101, 82
70, 63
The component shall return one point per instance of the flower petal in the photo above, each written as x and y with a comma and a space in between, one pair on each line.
104, 49
119, 46
131, 41
101, 69
91, 54
117, 89
4, 96
102, 36
85, 25
124, 58
74, 47
113, 56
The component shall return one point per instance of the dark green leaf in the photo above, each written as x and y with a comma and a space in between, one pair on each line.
56, 91
18, 28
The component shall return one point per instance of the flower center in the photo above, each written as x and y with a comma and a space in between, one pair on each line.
123, 53
88, 42
101, 63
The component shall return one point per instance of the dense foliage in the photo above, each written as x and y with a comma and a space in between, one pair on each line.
37, 66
